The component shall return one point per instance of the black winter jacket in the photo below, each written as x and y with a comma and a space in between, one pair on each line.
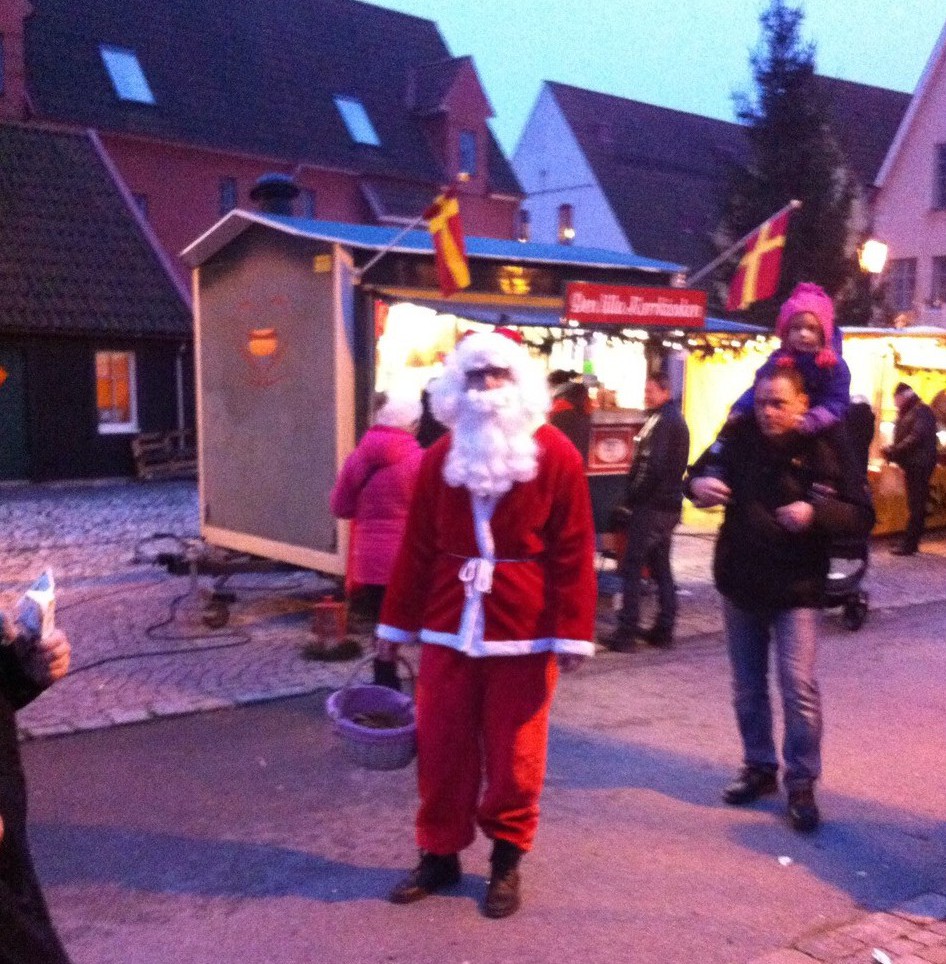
26, 931
758, 564
914, 437
655, 478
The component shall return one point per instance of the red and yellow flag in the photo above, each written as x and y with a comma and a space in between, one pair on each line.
443, 221
756, 276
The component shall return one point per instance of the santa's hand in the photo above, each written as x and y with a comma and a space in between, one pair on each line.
796, 516
47, 660
708, 491
385, 650
569, 662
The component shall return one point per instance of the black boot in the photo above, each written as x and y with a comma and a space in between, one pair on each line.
751, 783
502, 893
434, 872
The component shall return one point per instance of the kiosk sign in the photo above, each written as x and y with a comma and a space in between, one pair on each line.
634, 307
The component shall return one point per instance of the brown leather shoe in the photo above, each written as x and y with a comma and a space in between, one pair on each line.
435, 872
803, 814
502, 894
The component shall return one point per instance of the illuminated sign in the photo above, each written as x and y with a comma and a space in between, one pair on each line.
597, 304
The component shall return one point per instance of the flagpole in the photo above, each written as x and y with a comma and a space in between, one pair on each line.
380, 254
732, 249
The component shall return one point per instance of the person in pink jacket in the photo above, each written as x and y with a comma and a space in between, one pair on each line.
374, 490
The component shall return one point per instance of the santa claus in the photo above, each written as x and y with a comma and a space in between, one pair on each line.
495, 577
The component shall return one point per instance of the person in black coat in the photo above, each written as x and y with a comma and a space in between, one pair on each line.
914, 450
27, 935
788, 496
860, 422
653, 500
571, 409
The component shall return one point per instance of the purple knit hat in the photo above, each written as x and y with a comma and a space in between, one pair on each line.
812, 298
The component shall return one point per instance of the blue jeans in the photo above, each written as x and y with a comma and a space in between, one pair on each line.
794, 632
649, 534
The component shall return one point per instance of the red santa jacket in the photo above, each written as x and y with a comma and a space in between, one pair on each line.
544, 590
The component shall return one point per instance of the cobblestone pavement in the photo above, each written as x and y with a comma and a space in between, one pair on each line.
142, 649
913, 933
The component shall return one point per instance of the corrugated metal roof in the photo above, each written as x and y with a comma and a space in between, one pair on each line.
371, 237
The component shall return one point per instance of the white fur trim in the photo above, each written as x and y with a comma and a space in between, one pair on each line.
508, 647
394, 635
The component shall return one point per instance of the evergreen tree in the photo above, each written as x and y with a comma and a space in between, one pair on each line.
792, 154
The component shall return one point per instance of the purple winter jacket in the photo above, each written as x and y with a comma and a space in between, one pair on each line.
374, 489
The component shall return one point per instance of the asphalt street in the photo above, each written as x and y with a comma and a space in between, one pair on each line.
245, 835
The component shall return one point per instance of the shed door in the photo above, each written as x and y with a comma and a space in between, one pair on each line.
14, 448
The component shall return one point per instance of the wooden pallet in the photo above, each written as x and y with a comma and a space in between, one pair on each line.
163, 455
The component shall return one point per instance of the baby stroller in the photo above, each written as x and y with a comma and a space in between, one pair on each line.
843, 588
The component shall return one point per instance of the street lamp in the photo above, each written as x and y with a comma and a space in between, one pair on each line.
872, 256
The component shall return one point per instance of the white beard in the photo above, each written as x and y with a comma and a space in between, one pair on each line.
492, 446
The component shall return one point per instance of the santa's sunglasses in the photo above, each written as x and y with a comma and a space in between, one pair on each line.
490, 374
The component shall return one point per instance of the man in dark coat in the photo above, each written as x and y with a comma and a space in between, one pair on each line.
653, 501
26, 930
787, 496
914, 450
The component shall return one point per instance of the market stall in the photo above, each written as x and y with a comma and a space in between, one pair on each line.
293, 337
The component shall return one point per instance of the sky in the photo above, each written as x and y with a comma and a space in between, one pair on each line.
690, 55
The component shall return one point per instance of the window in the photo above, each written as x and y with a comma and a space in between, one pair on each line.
228, 194
939, 184
524, 231
938, 286
468, 153
358, 123
115, 394
126, 74
308, 203
566, 227
141, 201
902, 283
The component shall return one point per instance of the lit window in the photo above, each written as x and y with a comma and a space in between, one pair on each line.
468, 153
524, 232
939, 184
357, 121
126, 74
566, 226
902, 283
228, 194
938, 287
115, 391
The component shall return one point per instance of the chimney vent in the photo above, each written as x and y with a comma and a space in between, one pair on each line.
274, 194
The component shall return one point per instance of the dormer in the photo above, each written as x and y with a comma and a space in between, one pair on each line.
449, 100
14, 104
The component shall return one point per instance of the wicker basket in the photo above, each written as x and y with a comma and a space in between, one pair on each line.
376, 749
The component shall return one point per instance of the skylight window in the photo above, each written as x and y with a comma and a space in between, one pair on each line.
126, 74
356, 119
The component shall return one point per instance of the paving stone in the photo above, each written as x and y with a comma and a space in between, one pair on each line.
922, 909
926, 937
935, 954
876, 928
830, 946
784, 956
901, 946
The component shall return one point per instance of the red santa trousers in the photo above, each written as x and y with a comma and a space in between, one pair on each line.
481, 716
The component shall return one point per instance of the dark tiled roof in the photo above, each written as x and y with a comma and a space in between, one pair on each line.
73, 259
430, 84
255, 76
865, 120
664, 172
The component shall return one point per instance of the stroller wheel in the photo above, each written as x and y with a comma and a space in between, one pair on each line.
855, 612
